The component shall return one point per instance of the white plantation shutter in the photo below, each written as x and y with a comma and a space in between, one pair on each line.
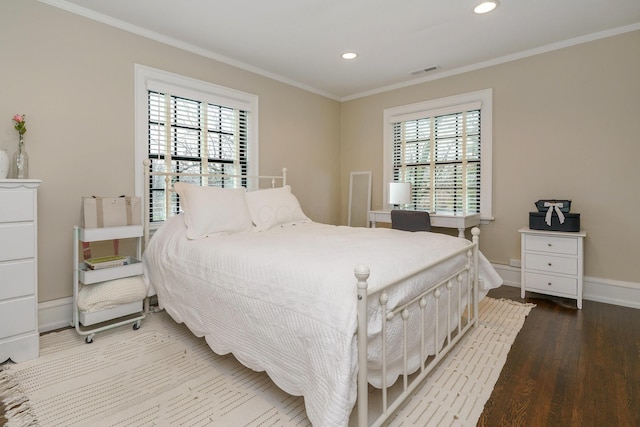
438, 152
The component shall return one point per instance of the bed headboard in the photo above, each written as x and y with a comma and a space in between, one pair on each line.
163, 202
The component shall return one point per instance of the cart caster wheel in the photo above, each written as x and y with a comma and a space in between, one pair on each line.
89, 339
136, 326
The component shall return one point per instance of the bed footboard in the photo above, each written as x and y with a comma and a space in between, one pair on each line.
467, 317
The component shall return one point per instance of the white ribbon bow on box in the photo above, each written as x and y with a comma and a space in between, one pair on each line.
551, 207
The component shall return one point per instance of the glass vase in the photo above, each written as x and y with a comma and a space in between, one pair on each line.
4, 163
21, 162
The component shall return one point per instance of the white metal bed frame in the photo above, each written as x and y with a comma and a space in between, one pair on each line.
467, 317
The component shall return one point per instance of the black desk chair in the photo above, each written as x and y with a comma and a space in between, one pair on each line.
410, 220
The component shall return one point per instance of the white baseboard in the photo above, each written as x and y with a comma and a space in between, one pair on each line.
626, 294
510, 275
55, 314
58, 313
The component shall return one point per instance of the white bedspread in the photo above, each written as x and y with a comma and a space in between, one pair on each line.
284, 300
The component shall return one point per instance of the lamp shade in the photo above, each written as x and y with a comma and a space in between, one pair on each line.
399, 193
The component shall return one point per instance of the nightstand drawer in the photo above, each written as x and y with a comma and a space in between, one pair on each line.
552, 284
558, 245
20, 241
18, 278
17, 316
17, 205
551, 264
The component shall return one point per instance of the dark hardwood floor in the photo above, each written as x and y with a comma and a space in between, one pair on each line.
569, 367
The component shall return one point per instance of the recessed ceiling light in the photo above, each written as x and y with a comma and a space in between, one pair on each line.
349, 55
485, 7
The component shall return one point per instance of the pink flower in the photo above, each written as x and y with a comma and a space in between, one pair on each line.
20, 123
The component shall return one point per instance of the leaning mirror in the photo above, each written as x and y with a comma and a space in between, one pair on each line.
359, 199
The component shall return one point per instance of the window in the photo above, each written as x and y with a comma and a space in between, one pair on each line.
188, 126
443, 148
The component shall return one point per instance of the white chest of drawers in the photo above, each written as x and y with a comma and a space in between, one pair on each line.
19, 337
552, 263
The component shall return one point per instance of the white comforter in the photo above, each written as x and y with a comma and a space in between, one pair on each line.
284, 300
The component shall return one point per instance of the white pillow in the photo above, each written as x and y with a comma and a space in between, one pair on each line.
273, 207
213, 210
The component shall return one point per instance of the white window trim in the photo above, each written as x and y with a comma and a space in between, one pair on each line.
443, 106
150, 78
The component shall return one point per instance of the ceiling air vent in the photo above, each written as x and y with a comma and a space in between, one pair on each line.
423, 70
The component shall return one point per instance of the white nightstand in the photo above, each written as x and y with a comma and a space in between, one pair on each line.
19, 336
552, 263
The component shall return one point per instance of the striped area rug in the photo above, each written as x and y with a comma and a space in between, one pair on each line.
162, 375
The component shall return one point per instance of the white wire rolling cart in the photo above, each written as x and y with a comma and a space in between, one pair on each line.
90, 323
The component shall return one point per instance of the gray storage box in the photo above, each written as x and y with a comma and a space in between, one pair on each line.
571, 222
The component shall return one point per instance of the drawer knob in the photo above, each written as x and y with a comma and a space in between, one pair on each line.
549, 244
549, 264
549, 283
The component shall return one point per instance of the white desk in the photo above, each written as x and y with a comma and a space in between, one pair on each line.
461, 222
